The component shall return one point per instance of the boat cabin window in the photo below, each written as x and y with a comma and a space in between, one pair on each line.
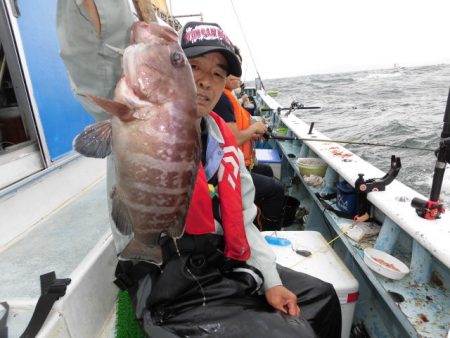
12, 129
20, 155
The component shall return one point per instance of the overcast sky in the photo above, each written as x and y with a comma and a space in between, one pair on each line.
299, 37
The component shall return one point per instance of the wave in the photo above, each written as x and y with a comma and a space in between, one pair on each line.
445, 191
383, 75
334, 80
403, 107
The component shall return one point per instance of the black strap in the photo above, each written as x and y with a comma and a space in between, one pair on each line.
206, 244
204, 139
216, 209
51, 290
128, 273
3, 327
215, 200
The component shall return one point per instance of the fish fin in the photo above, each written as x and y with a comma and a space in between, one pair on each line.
94, 140
112, 107
120, 215
140, 251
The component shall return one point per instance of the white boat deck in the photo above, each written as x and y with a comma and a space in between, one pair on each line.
75, 242
58, 243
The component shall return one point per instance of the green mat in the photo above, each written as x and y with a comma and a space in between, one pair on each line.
127, 325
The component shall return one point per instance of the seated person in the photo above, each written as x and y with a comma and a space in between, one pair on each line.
269, 192
204, 286
245, 101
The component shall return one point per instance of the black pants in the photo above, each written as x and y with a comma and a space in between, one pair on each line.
197, 297
263, 169
269, 197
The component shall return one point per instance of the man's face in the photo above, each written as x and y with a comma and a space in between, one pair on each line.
233, 82
210, 75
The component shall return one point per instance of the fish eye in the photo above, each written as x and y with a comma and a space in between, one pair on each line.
177, 59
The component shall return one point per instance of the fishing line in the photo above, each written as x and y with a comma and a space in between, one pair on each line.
323, 248
194, 277
373, 144
246, 42
325, 107
245, 73
369, 144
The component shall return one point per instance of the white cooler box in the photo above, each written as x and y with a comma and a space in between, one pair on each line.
323, 264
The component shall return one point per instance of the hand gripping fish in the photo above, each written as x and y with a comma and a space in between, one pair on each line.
154, 136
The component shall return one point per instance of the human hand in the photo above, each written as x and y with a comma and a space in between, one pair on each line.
258, 137
259, 127
283, 300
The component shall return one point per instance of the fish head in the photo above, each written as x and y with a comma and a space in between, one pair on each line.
156, 69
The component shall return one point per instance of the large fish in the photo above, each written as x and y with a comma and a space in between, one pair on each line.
154, 135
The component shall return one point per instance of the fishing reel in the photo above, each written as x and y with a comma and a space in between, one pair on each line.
428, 209
269, 135
295, 105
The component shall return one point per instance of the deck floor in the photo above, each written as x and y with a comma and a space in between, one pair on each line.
57, 243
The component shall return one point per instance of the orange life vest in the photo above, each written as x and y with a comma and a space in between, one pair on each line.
243, 121
200, 218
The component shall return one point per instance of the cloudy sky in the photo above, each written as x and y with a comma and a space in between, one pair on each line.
299, 37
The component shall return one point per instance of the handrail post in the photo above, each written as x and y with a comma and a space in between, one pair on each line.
388, 236
331, 180
421, 261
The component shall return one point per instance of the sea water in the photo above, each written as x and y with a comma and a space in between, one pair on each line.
399, 106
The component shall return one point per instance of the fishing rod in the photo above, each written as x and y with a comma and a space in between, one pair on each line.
269, 135
330, 107
246, 42
432, 208
295, 105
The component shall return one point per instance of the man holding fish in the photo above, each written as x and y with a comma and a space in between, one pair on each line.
200, 267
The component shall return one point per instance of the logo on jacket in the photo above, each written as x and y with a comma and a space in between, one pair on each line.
229, 167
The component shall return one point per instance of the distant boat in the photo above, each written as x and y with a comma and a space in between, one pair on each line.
397, 67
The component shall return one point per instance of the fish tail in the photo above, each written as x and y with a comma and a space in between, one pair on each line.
137, 250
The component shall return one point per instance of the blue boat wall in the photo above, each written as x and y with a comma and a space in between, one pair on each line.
57, 113
39, 118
